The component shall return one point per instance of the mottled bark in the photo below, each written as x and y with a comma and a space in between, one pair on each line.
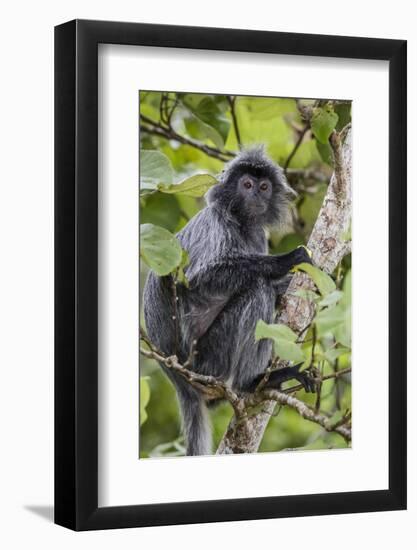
328, 247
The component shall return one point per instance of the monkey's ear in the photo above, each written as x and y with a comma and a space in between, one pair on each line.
289, 192
213, 193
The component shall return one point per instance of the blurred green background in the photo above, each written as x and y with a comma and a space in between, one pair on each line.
195, 134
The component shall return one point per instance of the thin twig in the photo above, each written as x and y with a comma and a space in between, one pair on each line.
214, 388
317, 404
232, 101
210, 386
144, 337
337, 386
306, 412
308, 176
151, 127
175, 312
296, 147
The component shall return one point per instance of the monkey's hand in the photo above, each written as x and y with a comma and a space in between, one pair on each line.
284, 263
303, 255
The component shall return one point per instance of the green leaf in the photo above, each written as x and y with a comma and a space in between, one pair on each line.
331, 298
201, 131
145, 394
195, 186
329, 319
160, 209
343, 112
159, 249
323, 282
185, 259
343, 332
323, 122
332, 354
180, 272
155, 168
307, 294
336, 320
288, 351
347, 288
207, 110
325, 152
284, 340
280, 331
337, 416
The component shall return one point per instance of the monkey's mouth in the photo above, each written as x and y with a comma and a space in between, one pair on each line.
257, 209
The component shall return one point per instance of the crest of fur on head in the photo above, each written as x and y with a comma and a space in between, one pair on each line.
254, 162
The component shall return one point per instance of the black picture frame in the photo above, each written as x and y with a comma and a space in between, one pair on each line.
76, 272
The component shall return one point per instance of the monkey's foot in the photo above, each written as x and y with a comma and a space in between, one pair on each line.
305, 378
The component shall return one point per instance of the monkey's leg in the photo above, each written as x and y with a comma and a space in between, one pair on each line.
281, 285
280, 288
279, 376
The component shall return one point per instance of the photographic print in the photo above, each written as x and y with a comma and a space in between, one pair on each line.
245, 274
203, 268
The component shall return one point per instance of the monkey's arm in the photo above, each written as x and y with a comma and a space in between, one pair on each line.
232, 275
211, 289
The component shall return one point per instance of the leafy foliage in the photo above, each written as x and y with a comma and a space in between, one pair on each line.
209, 118
195, 186
323, 282
155, 168
284, 341
159, 249
323, 122
174, 176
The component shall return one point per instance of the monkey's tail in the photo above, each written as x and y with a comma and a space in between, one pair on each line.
196, 424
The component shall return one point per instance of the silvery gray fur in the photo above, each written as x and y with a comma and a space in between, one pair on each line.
233, 283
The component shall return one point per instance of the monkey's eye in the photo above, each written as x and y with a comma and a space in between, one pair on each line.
263, 186
247, 184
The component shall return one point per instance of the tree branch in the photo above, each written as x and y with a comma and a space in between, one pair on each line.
306, 412
155, 128
300, 179
210, 386
213, 388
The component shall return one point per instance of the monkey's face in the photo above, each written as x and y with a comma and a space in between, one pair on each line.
255, 193
252, 188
